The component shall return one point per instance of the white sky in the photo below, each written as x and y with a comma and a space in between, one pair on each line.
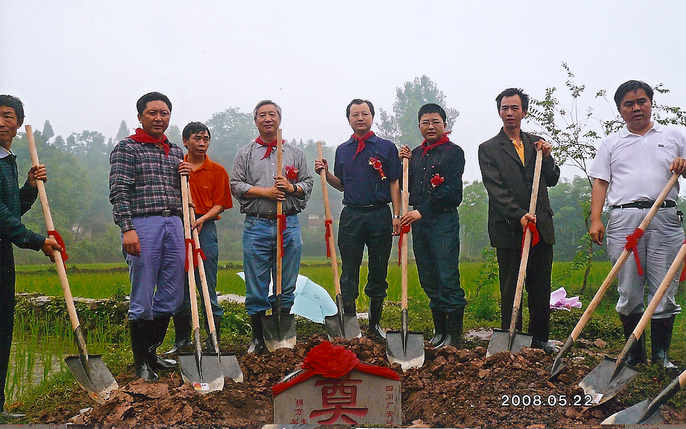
82, 64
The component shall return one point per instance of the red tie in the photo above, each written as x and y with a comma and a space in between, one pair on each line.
270, 146
427, 147
360, 142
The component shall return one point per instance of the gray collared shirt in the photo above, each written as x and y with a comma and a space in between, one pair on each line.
249, 169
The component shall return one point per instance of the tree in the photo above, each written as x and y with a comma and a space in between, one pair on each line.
473, 222
123, 131
230, 129
401, 127
48, 133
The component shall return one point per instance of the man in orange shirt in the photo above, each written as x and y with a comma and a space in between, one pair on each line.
211, 195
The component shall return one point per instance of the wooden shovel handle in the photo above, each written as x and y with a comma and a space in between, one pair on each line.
185, 199
279, 212
405, 197
203, 277
330, 242
59, 264
621, 260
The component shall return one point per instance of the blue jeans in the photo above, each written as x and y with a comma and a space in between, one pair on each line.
157, 275
210, 247
436, 246
259, 262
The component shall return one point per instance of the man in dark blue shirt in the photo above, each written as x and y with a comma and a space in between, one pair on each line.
366, 170
435, 186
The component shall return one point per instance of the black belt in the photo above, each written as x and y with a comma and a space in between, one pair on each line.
369, 208
643, 205
164, 213
273, 215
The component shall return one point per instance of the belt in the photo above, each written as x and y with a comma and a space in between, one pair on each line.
163, 213
273, 215
369, 208
643, 204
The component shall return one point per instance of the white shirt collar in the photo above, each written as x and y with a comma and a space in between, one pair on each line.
4, 152
657, 127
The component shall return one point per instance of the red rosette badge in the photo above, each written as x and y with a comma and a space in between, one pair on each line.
378, 166
291, 173
436, 180
330, 361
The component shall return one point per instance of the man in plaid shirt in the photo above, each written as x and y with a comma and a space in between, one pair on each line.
145, 192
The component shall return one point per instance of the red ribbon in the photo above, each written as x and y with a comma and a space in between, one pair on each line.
189, 243
682, 277
360, 142
270, 146
327, 235
198, 252
332, 361
143, 137
534, 234
631, 243
427, 147
60, 241
404, 230
282, 227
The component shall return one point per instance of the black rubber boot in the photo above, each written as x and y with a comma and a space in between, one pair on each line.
208, 347
375, 310
140, 343
158, 331
182, 330
349, 308
637, 354
439, 327
257, 344
661, 337
453, 331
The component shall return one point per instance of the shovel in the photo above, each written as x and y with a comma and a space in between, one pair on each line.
404, 347
340, 324
611, 376
88, 370
203, 372
558, 364
510, 340
647, 412
279, 329
229, 363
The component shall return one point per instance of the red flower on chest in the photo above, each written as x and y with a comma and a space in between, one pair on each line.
436, 180
291, 173
378, 166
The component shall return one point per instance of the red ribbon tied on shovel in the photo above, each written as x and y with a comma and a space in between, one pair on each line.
327, 235
60, 241
534, 234
282, 227
682, 277
404, 230
189, 244
631, 245
197, 252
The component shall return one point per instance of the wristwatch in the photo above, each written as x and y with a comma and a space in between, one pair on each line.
396, 216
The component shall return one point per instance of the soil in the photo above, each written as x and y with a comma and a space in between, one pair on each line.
454, 388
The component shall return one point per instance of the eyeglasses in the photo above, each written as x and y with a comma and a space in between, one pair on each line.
435, 123
357, 115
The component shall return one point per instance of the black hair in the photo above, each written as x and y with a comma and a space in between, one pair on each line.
431, 108
359, 101
632, 85
194, 128
152, 96
16, 104
264, 103
509, 92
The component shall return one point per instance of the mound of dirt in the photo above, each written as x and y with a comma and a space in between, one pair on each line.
454, 388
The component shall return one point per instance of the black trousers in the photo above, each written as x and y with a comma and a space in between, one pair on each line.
358, 228
7, 279
537, 283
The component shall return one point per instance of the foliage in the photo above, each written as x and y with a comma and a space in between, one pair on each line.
473, 222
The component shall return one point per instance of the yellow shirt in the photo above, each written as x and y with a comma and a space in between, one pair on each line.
519, 147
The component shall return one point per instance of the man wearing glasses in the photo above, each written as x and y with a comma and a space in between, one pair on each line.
435, 186
366, 170
507, 163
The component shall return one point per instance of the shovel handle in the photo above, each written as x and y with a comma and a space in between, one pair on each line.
185, 199
327, 211
59, 264
403, 249
203, 277
621, 260
279, 212
526, 246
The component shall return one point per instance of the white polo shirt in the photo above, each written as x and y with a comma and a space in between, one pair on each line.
637, 167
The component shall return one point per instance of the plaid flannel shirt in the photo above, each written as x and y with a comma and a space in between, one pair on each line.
143, 180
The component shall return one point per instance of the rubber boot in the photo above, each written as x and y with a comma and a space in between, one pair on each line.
140, 343
349, 308
257, 344
158, 331
375, 310
439, 327
453, 331
661, 338
182, 330
637, 354
209, 347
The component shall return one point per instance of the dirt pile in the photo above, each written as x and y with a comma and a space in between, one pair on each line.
457, 388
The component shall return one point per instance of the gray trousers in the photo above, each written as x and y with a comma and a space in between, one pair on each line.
657, 249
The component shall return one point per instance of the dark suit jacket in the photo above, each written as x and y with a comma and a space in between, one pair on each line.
509, 184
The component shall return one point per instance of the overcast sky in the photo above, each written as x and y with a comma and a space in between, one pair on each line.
82, 64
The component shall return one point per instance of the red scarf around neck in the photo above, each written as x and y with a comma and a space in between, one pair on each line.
427, 147
143, 137
360, 141
270, 146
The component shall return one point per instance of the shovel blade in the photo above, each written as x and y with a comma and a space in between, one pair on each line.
279, 331
635, 415
205, 375
409, 353
500, 342
600, 384
231, 368
349, 329
93, 376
